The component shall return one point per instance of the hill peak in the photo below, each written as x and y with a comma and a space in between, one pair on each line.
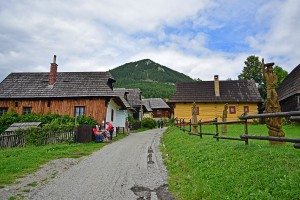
145, 72
146, 61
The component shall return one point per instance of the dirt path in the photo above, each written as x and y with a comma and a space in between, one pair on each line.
131, 168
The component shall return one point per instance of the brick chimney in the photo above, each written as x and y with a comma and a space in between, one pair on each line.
53, 71
217, 85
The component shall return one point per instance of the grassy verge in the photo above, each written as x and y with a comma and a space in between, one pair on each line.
206, 169
17, 162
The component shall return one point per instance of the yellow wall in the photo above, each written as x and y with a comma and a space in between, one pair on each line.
209, 111
147, 115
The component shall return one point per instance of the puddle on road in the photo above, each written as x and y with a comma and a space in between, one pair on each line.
149, 157
161, 192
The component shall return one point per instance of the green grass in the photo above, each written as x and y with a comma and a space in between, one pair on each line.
207, 169
17, 162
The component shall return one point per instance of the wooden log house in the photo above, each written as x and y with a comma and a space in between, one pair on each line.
210, 96
289, 91
63, 93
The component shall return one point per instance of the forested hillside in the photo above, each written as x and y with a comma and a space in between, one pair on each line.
153, 79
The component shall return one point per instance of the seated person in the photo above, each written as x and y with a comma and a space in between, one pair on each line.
98, 135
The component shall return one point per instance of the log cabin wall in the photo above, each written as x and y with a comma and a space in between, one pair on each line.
94, 107
209, 111
161, 113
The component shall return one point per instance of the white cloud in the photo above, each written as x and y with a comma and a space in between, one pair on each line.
99, 35
282, 42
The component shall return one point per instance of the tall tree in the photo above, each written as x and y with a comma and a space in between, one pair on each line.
252, 71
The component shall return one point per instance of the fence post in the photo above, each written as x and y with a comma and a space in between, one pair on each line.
183, 125
217, 129
246, 131
200, 128
190, 125
180, 124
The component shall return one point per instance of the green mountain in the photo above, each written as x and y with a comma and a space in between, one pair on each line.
153, 79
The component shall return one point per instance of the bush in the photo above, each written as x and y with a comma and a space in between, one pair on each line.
148, 123
86, 120
133, 123
53, 120
38, 136
7, 119
169, 122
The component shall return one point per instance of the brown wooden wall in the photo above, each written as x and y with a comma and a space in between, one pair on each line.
161, 113
94, 108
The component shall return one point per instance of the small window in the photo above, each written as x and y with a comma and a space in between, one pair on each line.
112, 115
232, 110
79, 111
26, 110
16, 104
48, 104
246, 109
3, 111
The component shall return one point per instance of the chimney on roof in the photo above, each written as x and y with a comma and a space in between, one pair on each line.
217, 85
53, 71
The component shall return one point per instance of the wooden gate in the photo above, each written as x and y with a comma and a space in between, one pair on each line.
84, 133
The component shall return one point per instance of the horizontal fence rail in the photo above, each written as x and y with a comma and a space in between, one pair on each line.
293, 115
270, 115
270, 138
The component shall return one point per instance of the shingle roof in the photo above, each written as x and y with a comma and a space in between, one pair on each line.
68, 84
290, 85
121, 93
230, 91
23, 125
155, 103
133, 97
146, 104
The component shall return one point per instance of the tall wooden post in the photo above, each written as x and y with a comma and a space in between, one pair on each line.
272, 104
194, 121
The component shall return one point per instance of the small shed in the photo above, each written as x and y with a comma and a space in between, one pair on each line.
22, 125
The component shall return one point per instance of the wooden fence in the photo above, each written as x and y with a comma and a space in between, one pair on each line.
11, 139
182, 124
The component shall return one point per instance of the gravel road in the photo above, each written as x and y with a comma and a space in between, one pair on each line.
131, 168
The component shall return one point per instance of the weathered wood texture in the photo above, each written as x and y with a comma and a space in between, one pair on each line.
208, 111
94, 107
290, 104
14, 140
161, 113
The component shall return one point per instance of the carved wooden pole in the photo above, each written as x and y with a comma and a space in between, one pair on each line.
194, 121
272, 104
224, 119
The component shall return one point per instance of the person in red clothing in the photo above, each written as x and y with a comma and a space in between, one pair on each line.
98, 136
110, 129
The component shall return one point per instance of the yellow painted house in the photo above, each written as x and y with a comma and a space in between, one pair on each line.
210, 97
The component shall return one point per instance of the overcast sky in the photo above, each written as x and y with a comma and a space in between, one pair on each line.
197, 37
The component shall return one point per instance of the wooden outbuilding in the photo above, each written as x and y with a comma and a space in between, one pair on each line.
289, 91
156, 108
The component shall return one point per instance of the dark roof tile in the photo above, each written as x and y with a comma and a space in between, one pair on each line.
230, 91
68, 84
290, 85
